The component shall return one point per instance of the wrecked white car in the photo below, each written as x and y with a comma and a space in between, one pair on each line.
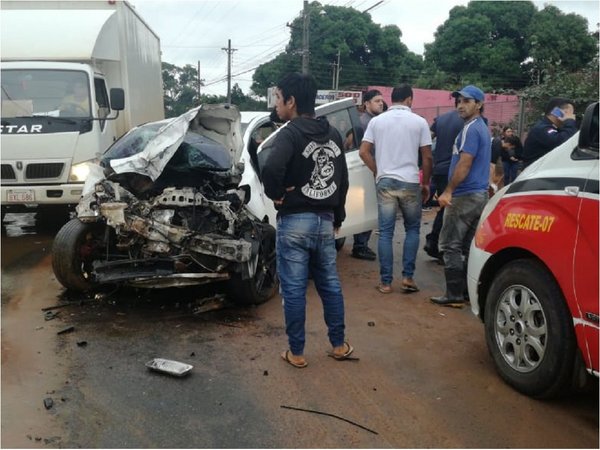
163, 209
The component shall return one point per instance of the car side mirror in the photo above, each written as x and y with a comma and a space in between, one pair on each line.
117, 99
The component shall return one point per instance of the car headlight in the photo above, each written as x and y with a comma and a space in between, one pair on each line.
79, 172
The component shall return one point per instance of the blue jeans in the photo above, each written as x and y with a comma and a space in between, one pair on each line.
391, 195
460, 224
510, 171
306, 243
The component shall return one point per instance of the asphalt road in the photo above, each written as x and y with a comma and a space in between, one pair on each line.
424, 378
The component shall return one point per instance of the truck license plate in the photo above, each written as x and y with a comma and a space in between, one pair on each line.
24, 196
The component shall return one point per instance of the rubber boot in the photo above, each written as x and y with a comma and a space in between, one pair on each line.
431, 246
455, 288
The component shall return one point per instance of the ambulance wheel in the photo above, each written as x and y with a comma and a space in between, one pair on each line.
529, 330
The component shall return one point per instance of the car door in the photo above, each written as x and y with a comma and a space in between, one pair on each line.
361, 201
585, 257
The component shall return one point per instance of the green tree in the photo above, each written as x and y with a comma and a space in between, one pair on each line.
482, 43
368, 53
180, 86
581, 87
558, 41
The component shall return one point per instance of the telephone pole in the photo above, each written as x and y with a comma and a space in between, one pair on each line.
337, 74
229, 51
200, 80
305, 37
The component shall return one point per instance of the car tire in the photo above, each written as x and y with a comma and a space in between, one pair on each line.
263, 285
69, 260
339, 243
529, 330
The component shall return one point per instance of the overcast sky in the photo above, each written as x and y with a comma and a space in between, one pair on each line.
197, 30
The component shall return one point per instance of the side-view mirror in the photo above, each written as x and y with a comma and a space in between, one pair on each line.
117, 99
588, 134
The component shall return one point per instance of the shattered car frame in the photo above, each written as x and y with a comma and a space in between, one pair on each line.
164, 209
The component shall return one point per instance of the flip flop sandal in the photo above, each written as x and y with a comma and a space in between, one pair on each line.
286, 357
384, 288
410, 288
345, 355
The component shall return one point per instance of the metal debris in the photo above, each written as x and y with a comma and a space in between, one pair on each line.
49, 315
66, 330
210, 304
169, 366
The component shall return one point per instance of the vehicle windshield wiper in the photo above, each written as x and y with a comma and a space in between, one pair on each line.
58, 119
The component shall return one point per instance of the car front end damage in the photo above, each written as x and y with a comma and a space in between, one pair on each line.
165, 210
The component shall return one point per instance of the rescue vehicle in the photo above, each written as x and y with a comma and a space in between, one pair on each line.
533, 269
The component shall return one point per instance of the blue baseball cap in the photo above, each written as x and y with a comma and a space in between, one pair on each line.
470, 91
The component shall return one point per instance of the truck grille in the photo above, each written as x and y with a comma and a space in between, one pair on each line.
45, 170
8, 173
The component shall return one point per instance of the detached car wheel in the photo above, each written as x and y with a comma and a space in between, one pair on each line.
74, 248
263, 285
528, 329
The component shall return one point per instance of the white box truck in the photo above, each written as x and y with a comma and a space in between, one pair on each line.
76, 75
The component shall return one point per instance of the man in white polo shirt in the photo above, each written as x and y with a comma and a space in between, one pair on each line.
399, 136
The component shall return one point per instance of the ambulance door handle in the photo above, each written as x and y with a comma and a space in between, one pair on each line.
572, 190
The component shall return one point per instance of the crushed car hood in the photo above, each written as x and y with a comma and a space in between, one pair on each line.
152, 145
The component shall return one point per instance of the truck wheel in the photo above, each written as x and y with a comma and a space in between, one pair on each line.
75, 246
529, 330
262, 286
339, 243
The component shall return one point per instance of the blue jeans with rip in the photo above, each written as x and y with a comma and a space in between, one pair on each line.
460, 224
392, 195
306, 243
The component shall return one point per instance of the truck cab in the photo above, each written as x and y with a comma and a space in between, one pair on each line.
54, 119
75, 77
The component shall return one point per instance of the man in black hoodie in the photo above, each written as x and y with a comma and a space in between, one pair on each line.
306, 176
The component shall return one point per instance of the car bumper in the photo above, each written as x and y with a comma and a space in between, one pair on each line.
477, 259
55, 194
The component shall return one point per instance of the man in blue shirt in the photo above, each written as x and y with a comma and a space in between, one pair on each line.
465, 196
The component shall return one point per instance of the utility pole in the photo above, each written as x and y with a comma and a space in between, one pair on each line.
337, 75
305, 37
333, 77
200, 80
229, 51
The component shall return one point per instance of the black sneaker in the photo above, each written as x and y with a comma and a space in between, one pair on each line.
364, 253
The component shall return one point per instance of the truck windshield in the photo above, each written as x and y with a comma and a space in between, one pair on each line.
52, 93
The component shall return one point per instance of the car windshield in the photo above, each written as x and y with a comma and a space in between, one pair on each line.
196, 152
53, 93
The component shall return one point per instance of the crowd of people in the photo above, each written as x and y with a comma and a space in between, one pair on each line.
307, 178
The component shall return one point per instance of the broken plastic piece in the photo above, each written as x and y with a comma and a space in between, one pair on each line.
169, 366
49, 315
66, 330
